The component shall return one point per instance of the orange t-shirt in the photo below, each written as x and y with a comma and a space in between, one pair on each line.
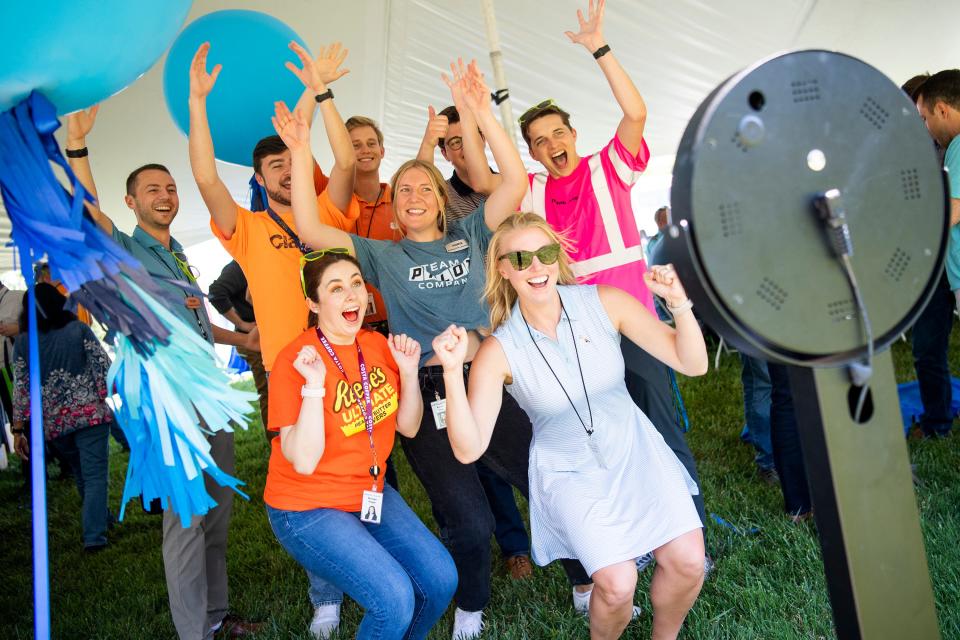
270, 260
376, 222
342, 475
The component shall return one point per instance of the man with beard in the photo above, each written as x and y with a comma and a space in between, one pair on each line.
194, 557
265, 243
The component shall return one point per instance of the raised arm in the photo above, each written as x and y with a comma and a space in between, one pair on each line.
303, 443
482, 179
470, 421
505, 199
406, 353
436, 129
590, 36
214, 192
79, 125
295, 132
316, 75
682, 348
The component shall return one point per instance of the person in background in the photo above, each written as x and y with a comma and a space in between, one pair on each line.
73, 391
230, 296
931, 336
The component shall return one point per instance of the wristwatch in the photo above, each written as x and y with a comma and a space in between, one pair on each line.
326, 95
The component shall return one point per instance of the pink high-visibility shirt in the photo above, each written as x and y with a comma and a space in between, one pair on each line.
592, 208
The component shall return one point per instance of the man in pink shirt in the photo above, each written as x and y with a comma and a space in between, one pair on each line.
588, 199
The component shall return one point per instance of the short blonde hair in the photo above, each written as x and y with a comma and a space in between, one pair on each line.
499, 293
436, 181
355, 122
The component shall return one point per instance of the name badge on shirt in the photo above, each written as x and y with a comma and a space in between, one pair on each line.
371, 307
371, 509
457, 245
439, 408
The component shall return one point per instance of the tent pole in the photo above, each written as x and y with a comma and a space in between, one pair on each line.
499, 76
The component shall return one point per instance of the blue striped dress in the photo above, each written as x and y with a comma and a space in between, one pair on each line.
602, 507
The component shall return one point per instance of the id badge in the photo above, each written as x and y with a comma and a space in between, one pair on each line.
457, 245
371, 508
439, 407
371, 307
594, 447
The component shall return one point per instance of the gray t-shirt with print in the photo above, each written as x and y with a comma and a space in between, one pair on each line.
427, 286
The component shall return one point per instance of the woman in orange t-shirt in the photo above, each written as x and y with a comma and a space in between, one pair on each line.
338, 394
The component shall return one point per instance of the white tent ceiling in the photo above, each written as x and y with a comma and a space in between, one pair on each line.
675, 50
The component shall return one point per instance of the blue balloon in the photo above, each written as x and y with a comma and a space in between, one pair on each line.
252, 47
79, 53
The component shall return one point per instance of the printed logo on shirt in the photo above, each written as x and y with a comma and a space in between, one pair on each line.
383, 396
282, 241
444, 273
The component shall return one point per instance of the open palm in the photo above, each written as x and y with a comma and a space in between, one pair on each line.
590, 34
201, 82
318, 72
291, 127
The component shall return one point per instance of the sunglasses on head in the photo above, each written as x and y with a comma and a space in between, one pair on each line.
534, 109
547, 254
316, 255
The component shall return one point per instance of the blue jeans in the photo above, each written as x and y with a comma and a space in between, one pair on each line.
756, 408
87, 451
508, 528
396, 570
785, 436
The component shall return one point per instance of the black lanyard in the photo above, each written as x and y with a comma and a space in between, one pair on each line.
304, 249
373, 212
366, 409
563, 309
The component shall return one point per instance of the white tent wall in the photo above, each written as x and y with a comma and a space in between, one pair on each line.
675, 50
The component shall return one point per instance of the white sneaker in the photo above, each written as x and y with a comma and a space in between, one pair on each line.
326, 619
467, 624
581, 604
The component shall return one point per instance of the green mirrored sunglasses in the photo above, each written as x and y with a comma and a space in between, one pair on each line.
316, 255
521, 260
534, 109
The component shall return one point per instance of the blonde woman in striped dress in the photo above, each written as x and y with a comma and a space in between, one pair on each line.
604, 487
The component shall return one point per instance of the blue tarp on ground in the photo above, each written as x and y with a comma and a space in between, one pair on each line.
910, 406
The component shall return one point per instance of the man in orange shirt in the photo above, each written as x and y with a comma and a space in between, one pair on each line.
265, 243
375, 202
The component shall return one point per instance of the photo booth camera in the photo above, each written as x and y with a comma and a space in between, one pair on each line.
809, 225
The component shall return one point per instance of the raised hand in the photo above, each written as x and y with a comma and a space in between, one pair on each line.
291, 127
662, 281
406, 352
590, 34
458, 72
80, 123
201, 82
318, 72
436, 127
309, 364
476, 93
450, 347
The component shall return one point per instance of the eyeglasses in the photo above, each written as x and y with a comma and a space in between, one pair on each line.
547, 254
529, 113
316, 255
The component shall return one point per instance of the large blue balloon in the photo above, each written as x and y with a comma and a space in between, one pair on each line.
80, 53
252, 47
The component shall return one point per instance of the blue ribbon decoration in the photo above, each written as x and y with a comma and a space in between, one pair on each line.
168, 388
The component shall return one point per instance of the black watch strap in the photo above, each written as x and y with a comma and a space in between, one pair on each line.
602, 51
326, 95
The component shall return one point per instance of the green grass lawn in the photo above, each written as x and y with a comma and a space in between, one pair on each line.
768, 585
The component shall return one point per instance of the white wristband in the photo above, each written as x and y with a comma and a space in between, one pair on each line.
680, 308
312, 392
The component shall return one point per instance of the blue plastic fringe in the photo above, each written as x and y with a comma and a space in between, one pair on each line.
172, 394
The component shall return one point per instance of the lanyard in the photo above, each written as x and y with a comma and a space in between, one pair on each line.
589, 429
373, 212
304, 249
176, 276
367, 407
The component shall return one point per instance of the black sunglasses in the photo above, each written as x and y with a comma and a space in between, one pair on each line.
547, 254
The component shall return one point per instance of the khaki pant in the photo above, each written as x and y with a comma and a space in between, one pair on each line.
195, 558
255, 360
